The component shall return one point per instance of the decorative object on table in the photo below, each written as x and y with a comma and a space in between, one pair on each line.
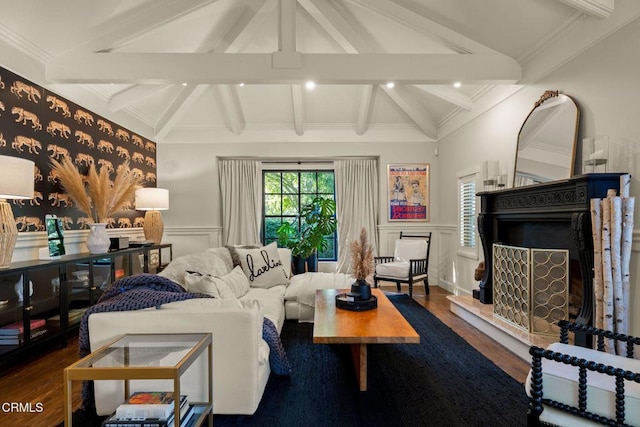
595, 154
362, 264
99, 198
119, 243
98, 241
306, 235
19, 287
479, 271
152, 200
149, 404
494, 175
16, 182
55, 236
408, 191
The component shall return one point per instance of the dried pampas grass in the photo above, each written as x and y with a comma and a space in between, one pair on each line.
99, 199
362, 256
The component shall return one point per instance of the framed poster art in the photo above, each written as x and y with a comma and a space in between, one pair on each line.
408, 190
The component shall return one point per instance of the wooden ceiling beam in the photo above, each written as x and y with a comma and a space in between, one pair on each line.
452, 96
367, 100
259, 68
400, 11
597, 8
123, 28
341, 26
414, 110
174, 112
232, 108
298, 108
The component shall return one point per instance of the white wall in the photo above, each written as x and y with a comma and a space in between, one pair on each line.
604, 83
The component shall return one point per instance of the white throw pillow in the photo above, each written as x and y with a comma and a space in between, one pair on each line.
207, 284
237, 282
263, 266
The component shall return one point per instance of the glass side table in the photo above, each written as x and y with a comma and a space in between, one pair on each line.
144, 356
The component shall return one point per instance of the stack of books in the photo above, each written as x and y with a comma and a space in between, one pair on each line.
13, 334
75, 315
150, 409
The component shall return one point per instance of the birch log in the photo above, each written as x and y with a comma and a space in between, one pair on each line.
625, 185
628, 207
607, 275
619, 312
598, 286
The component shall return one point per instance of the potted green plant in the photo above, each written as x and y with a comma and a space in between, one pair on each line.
318, 220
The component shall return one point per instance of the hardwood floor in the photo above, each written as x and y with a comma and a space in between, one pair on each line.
39, 381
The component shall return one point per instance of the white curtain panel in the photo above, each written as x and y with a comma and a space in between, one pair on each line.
357, 205
241, 191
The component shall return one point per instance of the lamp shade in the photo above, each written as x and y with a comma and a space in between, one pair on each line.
16, 178
148, 199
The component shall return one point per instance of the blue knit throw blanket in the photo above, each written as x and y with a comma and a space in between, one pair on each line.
150, 290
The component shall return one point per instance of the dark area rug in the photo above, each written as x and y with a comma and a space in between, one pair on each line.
442, 381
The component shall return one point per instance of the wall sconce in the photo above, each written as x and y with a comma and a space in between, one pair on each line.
16, 182
152, 200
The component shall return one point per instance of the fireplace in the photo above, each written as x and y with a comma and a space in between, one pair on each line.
554, 215
530, 287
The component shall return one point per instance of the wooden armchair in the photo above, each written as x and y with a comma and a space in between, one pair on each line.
574, 386
409, 264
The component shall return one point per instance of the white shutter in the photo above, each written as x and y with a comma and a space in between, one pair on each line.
467, 225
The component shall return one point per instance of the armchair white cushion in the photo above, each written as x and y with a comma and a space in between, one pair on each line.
408, 249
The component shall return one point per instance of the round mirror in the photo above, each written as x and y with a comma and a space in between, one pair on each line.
547, 141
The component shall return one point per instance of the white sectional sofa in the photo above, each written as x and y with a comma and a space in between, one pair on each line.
240, 355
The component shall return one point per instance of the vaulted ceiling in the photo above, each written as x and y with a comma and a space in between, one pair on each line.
235, 70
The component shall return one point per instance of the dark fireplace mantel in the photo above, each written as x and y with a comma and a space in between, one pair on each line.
554, 215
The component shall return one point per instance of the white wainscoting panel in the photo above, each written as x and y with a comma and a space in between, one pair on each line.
188, 240
447, 250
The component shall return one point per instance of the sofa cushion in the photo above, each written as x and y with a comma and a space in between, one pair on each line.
215, 261
263, 266
395, 269
272, 304
198, 305
207, 284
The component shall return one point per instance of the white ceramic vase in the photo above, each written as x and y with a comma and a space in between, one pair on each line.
98, 241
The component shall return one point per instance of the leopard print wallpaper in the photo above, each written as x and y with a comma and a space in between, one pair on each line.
40, 125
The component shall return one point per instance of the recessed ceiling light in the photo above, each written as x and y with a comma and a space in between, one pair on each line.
184, 84
240, 84
390, 85
457, 84
310, 85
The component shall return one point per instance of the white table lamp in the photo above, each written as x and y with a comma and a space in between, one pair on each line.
152, 200
16, 182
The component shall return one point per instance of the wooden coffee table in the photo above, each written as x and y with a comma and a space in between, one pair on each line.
383, 325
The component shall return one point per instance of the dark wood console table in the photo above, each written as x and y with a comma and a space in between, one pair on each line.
554, 215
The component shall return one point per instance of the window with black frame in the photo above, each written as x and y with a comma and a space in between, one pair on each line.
285, 193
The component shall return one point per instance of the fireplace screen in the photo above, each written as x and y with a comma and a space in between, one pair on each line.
531, 287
